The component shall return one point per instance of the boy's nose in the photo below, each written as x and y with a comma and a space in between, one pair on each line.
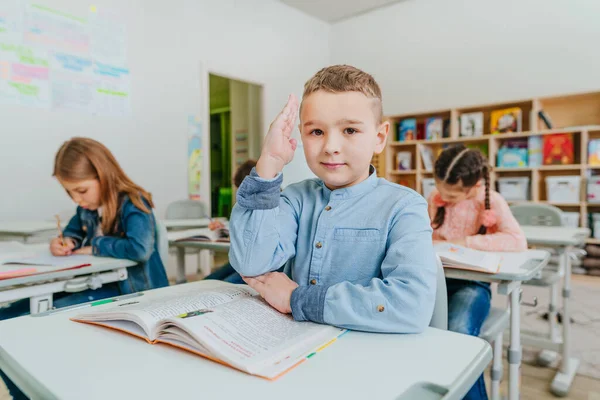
332, 145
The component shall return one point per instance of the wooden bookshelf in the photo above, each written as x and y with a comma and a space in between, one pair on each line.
578, 114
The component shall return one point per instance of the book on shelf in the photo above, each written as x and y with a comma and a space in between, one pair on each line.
513, 154
471, 124
407, 129
427, 157
594, 152
534, 151
434, 128
226, 323
421, 130
558, 149
404, 160
460, 257
507, 120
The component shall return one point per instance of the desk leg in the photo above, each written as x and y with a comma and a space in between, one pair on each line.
547, 357
514, 348
564, 377
180, 265
41, 303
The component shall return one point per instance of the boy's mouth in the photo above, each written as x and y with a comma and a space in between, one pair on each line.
332, 165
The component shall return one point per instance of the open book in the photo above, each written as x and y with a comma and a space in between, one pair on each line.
18, 260
226, 323
200, 235
454, 256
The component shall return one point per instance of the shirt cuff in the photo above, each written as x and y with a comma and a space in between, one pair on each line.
256, 193
308, 303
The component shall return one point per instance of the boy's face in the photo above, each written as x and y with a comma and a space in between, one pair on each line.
340, 133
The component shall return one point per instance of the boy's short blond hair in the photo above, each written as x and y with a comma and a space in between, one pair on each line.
345, 78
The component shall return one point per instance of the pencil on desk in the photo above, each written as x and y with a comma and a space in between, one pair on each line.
60, 234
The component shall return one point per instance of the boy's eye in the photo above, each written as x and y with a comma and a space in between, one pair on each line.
82, 191
350, 131
316, 132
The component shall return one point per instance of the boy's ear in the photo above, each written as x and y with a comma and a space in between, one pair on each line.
381, 139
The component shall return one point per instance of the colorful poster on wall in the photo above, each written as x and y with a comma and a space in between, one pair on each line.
24, 75
56, 60
194, 157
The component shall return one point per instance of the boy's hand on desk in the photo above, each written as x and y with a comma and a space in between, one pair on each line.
87, 250
276, 288
57, 248
279, 147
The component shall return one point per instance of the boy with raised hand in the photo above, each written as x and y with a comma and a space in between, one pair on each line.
358, 248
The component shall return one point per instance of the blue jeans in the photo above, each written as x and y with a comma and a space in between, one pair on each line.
468, 307
21, 307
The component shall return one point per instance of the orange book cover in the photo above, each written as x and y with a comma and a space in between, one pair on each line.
558, 149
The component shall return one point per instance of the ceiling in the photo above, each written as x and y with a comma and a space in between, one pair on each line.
337, 10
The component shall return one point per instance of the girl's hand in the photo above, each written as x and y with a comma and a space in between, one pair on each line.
57, 248
214, 225
87, 250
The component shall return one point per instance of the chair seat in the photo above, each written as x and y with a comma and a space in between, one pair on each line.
496, 322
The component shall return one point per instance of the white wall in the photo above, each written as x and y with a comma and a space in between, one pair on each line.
264, 42
430, 54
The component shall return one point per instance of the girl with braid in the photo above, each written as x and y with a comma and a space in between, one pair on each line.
465, 211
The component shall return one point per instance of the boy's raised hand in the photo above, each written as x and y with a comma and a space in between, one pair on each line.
279, 147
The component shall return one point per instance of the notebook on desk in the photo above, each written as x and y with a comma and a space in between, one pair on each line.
17, 260
229, 324
455, 256
200, 235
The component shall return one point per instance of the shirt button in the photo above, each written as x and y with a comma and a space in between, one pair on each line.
319, 245
380, 308
327, 208
313, 281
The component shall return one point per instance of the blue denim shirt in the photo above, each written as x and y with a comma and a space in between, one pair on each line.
135, 239
362, 256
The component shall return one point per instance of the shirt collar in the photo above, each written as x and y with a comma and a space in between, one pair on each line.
354, 190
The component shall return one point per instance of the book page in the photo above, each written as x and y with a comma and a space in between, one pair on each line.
197, 234
250, 335
149, 314
459, 256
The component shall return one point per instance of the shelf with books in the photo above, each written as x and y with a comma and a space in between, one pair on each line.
573, 161
403, 172
420, 126
502, 117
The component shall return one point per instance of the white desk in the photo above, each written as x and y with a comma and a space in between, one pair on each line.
41, 287
75, 361
180, 246
563, 239
509, 281
173, 224
25, 229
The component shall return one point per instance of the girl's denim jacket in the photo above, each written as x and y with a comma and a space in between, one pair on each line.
135, 239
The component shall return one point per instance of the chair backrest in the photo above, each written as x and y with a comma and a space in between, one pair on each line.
162, 241
537, 214
439, 319
186, 209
